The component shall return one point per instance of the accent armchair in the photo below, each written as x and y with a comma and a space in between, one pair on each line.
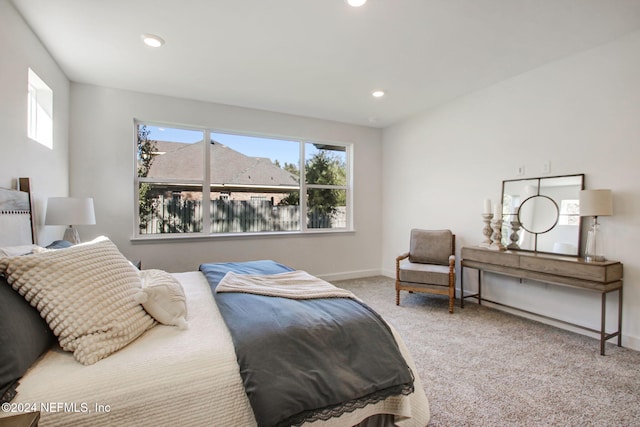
429, 266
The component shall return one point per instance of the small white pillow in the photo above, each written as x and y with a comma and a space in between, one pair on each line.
18, 250
86, 295
163, 298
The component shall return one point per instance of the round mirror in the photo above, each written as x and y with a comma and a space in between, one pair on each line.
538, 214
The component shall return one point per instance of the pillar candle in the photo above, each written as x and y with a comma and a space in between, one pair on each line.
497, 211
487, 206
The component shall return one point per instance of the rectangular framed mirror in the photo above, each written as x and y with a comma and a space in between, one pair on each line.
542, 214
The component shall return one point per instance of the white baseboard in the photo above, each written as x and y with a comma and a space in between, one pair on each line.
628, 341
349, 275
389, 273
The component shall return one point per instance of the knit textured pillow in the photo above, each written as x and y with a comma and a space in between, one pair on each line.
86, 295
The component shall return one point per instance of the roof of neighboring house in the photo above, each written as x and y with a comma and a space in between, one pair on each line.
163, 147
184, 161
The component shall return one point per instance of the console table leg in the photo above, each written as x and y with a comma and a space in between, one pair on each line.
462, 286
603, 322
479, 287
620, 317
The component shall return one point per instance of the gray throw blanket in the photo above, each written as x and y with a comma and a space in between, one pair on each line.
308, 359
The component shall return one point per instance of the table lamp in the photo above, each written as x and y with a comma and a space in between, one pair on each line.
70, 211
595, 203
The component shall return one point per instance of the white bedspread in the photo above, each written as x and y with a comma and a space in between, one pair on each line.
171, 377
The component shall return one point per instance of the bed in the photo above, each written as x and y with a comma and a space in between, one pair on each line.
184, 368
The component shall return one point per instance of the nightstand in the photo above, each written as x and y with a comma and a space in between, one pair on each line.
29, 419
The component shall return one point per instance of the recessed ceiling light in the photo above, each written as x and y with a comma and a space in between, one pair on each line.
377, 93
356, 3
152, 40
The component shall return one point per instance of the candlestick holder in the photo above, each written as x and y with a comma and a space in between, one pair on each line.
496, 237
486, 229
514, 237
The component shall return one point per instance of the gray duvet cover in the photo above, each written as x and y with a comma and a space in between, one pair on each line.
303, 360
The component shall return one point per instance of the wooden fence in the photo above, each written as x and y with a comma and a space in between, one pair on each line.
174, 215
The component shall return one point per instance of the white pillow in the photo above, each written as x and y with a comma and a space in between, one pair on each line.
163, 298
86, 295
18, 250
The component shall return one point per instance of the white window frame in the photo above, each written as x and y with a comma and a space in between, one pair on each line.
304, 186
39, 110
206, 183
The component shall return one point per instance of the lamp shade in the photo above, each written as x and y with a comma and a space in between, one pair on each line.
596, 203
70, 211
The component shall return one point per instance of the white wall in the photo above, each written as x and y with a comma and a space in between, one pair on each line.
102, 165
20, 156
580, 113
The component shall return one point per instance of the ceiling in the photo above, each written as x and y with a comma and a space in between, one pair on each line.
320, 58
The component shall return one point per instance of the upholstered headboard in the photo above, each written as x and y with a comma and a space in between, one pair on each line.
16, 218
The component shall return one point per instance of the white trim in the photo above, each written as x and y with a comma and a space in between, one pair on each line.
167, 237
389, 273
346, 275
206, 194
628, 341
631, 341
303, 187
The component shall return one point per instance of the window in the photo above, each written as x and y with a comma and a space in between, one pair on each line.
39, 110
238, 183
326, 178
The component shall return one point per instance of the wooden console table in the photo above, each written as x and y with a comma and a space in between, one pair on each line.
601, 277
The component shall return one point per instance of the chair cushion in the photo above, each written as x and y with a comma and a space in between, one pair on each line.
424, 273
430, 246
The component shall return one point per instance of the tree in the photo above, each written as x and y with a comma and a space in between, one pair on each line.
146, 150
324, 169
289, 167
293, 198
292, 169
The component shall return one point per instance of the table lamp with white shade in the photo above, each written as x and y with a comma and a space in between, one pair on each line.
595, 203
70, 211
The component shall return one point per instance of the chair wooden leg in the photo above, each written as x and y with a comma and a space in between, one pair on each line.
397, 295
452, 298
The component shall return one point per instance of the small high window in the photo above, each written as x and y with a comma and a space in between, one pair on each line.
40, 111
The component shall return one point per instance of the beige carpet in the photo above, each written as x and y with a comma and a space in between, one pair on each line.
484, 367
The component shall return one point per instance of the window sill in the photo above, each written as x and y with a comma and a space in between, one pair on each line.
180, 237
